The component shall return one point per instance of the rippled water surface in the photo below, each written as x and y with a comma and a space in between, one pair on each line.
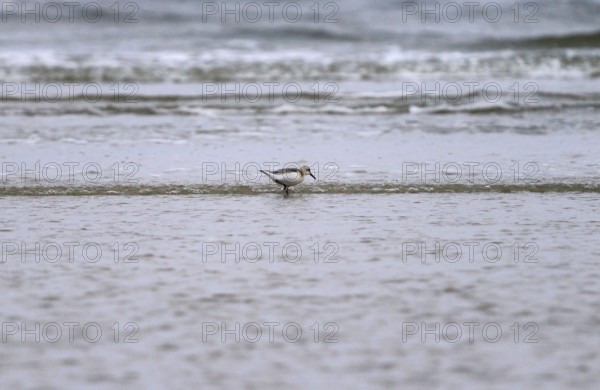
368, 288
449, 239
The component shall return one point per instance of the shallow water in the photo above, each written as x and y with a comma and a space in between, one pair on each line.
369, 283
449, 240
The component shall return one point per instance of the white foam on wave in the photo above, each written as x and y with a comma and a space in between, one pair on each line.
389, 63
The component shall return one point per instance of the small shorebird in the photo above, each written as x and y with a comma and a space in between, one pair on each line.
289, 177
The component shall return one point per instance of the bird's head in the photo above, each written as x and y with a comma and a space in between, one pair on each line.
306, 171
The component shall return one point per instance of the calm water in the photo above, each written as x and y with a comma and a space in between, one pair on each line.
367, 287
448, 241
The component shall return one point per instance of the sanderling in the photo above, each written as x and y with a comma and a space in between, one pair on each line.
289, 177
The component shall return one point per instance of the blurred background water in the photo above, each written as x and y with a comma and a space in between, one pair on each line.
141, 126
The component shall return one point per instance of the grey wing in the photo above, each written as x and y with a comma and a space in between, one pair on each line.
285, 170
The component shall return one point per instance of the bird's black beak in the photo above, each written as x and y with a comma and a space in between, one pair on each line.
313, 176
